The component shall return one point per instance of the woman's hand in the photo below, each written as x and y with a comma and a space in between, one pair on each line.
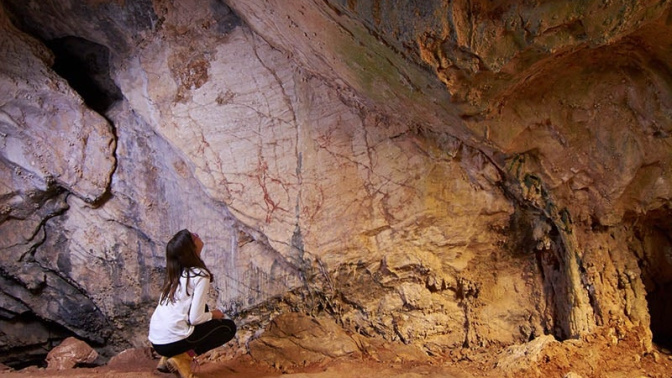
217, 314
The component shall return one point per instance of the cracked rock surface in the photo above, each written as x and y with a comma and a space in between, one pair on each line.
443, 177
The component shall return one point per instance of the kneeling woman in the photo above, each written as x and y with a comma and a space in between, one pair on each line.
181, 325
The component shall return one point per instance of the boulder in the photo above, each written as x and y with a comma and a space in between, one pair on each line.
131, 357
70, 353
294, 339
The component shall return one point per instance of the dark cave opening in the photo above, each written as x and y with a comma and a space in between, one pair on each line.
30, 339
653, 233
86, 67
660, 309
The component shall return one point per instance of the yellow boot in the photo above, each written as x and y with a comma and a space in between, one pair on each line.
181, 364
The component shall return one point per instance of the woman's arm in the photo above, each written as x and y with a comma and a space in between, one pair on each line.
197, 314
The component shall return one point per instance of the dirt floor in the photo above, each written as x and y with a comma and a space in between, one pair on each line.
244, 367
592, 358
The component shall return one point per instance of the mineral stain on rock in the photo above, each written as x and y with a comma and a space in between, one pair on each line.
485, 184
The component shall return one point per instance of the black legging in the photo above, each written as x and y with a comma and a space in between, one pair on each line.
206, 336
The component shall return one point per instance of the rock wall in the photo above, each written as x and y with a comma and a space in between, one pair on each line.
447, 175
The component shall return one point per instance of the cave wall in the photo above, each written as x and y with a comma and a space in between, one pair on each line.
402, 169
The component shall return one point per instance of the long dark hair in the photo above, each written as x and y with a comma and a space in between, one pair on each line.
180, 257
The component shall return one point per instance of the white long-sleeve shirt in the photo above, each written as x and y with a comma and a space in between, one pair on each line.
175, 321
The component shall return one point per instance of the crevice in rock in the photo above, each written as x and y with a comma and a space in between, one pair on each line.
226, 19
539, 226
85, 65
653, 232
52, 203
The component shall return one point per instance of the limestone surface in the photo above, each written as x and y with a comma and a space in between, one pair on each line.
441, 176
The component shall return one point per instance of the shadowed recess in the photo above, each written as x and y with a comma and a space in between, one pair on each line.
85, 65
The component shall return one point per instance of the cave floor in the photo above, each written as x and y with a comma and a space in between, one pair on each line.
612, 363
244, 367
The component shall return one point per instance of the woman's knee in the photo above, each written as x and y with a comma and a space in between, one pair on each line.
231, 324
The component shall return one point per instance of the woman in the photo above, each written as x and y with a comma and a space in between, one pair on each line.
182, 326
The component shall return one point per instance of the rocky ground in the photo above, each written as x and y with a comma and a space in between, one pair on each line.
543, 357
